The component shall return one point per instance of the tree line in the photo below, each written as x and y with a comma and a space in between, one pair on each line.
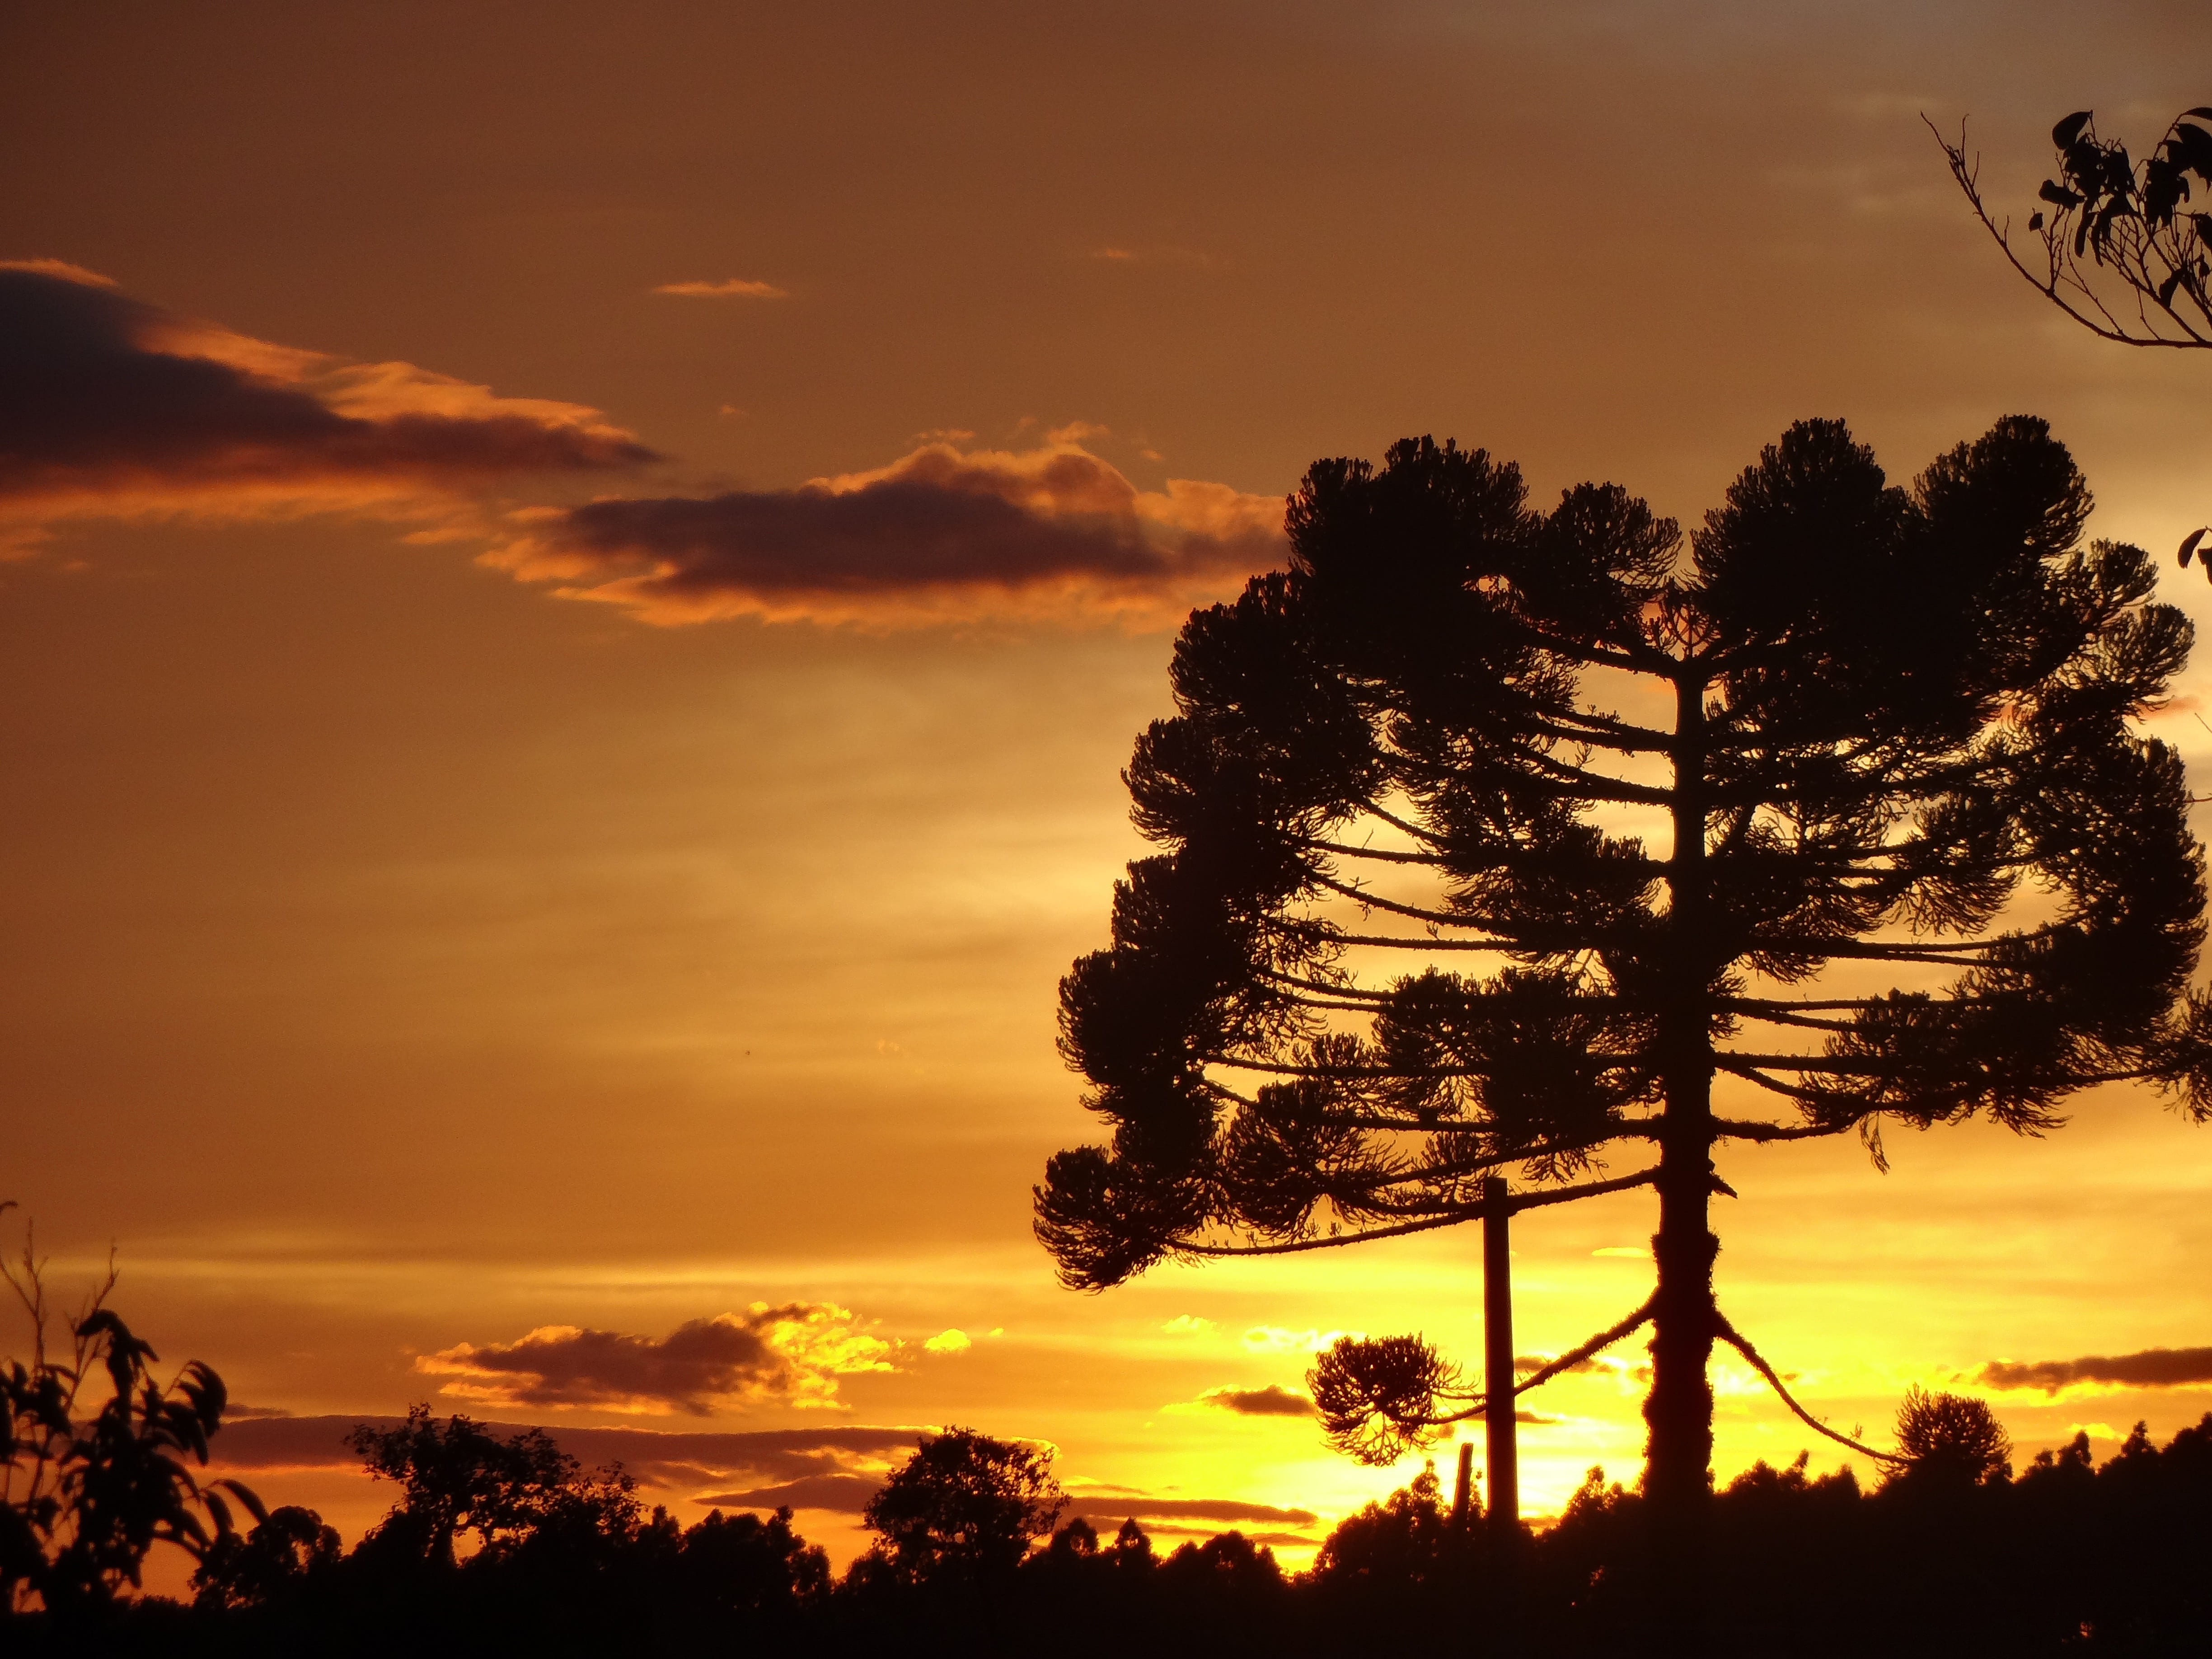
502, 1543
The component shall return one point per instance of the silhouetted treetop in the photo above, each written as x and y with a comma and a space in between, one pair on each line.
89, 1485
964, 1506
1951, 1437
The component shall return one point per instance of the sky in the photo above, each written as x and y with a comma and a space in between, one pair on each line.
575, 580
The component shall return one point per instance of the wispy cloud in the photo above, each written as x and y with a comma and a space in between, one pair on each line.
791, 1352
1118, 253
845, 1494
110, 406
1188, 1516
732, 288
1277, 1339
2151, 1368
940, 532
658, 1457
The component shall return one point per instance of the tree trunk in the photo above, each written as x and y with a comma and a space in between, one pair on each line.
1679, 1412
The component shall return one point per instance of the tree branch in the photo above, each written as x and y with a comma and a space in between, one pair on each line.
1566, 1362
1451, 1219
1736, 1339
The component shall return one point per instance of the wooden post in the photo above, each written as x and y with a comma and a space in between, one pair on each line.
1503, 1507
1463, 1488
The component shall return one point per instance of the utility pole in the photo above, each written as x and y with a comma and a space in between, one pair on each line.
1501, 1449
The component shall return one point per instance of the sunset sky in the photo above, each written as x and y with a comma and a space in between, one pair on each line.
576, 582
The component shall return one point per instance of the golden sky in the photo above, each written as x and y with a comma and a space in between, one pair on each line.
578, 579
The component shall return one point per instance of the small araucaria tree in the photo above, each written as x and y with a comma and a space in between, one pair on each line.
1496, 840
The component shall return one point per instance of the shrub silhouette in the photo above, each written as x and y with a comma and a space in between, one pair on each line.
87, 1495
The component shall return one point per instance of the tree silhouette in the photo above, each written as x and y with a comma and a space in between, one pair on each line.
253, 1569
2126, 246
965, 1507
741, 1564
464, 1478
1951, 1437
1908, 862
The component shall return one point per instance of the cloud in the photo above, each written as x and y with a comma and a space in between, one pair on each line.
656, 1457
836, 1468
1277, 1339
951, 1341
1188, 1325
848, 1494
735, 288
938, 532
1115, 254
1141, 1508
1274, 1400
2152, 1367
109, 404
1077, 432
793, 1353
1528, 1365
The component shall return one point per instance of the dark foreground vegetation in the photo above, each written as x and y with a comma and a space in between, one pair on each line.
502, 1544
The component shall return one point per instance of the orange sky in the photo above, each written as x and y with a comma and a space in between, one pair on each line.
433, 909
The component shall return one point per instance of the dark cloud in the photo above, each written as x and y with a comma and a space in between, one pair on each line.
937, 528
1274, 1400
103, 398
2153, 1368
658, 1458
792, 1351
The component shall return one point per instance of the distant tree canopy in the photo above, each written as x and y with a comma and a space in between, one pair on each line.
508, 1490
2126, 246
964, 1506
1842, 804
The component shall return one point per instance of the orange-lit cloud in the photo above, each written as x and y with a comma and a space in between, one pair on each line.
2151, 1368
939, 533
734, 287
111, 405
790, 1353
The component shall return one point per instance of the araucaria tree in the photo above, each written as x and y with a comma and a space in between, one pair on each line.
1497, 840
